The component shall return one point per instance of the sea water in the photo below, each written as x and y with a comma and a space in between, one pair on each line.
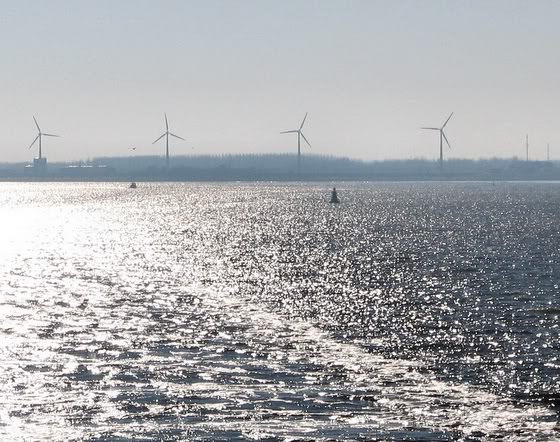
181, 311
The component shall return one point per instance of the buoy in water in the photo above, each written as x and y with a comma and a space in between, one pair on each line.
334, 196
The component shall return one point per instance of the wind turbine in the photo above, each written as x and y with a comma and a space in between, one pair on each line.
299, 136
441, 138
166, 135
39, 137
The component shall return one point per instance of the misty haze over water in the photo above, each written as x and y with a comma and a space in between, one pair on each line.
181, 311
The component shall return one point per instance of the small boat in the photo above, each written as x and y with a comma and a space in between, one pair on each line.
334, 197
132, 185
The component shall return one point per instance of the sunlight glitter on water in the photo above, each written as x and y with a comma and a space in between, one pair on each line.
183, 311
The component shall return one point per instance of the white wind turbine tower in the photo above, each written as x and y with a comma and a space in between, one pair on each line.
39, 137
166, 135
299, 136
441, 138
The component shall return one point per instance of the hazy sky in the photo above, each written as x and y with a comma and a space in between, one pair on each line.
232, 74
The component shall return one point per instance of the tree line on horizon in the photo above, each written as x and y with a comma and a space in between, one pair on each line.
285, 164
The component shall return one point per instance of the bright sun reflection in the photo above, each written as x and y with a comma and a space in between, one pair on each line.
185, 311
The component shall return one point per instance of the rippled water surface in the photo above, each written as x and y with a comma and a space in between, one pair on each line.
260, 312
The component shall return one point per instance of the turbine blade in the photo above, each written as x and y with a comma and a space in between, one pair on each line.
290, 132
36, 124
430, 128
34, 141
446, 121
166, 123
303, 136
160, 138
445, 138
177, 136
303, 122
51, 135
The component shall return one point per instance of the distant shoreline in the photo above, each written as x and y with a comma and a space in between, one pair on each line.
281, 168
279, 180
